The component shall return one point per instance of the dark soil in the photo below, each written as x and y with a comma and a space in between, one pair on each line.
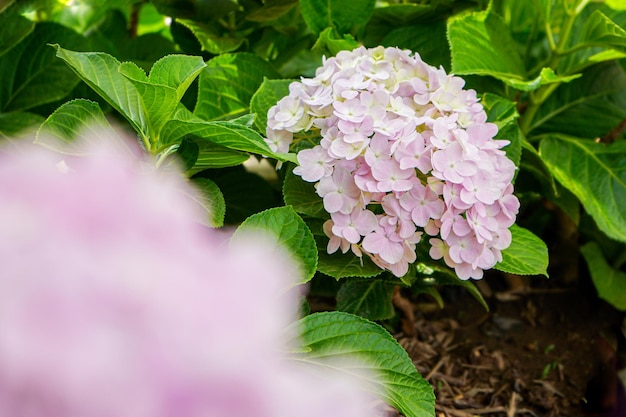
543, 349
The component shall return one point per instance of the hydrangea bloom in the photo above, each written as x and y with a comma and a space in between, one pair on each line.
404, 140
114, 302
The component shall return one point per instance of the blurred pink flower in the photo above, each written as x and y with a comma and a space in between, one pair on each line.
114, 302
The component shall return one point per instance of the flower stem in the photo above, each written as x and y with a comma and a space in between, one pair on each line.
557, 50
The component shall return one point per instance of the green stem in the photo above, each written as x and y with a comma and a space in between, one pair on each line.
536, 100
542, 94
146, 143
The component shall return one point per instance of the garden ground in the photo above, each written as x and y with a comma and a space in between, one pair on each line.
545, 348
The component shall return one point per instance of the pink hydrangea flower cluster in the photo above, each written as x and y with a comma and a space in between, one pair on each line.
404, 150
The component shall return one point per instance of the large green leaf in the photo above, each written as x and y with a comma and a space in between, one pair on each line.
177, 72
331, 336
481, 44
101, 72
146, 101
527, 255
370, 299
227, 84
73, 120
588, 107
337, 14
599, 39
228, 134
599, 30
291, 233
265, 97
13, 28
596, 174
609, 282
30, 73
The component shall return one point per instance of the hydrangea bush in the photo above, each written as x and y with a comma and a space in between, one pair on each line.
404, 154
400, 168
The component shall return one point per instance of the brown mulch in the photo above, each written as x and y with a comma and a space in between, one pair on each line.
539, 351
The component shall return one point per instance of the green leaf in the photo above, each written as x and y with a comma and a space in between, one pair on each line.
4, 4
73, 120
291, 233
370, 299
320, 14
599, 39
426, 38
30, 73
158, 102
210, 38
197, 10
344, 265
331, 42
609, 282
512, 133
212, 155
177, 72
268, 94
499, 110
596, 174
211, 199
532, 162
81, 16
527, 255
228, 134
227, 84
545, 77
481, 44
101, 72
588, 107
616, 4
272, 9
13, 29
504, 114
187, 153
163, 89
403, 14
302, 196
13, 124
330, 336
